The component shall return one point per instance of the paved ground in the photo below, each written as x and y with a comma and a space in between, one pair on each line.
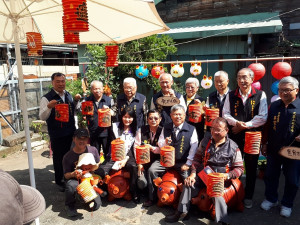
123, 212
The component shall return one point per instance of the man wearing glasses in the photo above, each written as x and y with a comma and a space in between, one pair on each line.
222, 155
246, 109
283, 129
166, 82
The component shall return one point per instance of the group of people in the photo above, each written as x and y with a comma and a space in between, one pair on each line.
221, 146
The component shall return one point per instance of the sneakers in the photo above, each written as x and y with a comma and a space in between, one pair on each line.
266, 205
71, 212
285, 211
248, 203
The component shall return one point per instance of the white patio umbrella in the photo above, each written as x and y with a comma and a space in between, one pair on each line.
110, 21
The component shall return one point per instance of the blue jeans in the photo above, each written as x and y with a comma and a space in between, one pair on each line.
291, 172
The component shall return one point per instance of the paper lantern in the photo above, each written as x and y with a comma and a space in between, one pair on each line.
215, 184
86, 191
177, 70
34, 44
118, 150
75, 15
281, 70
167, 156
210, 115
104, 118
87, 108
195, 115
256, 85
112, 52
275, 87
142, 154
206, 82
275, 98
258, 69
157, 71
141, 71
62, 112
195, 68
252, 142
70, 37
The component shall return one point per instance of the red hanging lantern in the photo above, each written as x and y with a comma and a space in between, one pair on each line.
70, 37
258, 69
281, 70
76, 16
157, 71
34, 44
112, 55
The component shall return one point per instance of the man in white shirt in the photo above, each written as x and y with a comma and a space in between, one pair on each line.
246, 109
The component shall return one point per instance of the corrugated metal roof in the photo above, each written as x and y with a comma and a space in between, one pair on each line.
256, 23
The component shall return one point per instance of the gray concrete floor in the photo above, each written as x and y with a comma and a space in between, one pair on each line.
121, 211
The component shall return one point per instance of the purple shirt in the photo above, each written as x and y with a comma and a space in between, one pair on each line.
71, 158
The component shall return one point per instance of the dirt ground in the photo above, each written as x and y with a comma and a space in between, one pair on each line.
121, 211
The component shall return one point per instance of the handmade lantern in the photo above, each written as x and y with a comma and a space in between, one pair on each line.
206, 82
157, 71
71, 38
112, 52
141, 71
252, 142
168, 188
87, 108
34, 44
177, 70
256, 85
62, 112
281, 70
104, 118
258, 69
86, 191
75, 15
167, 156
275, 87
195, 68
118, 150
142, 154
215, 184
275, 98
195, 113
211, 114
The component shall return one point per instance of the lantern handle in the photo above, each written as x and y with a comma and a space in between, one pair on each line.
282, 58
256, 59
207, 67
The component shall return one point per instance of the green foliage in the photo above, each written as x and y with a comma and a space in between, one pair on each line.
133, 51
74, 87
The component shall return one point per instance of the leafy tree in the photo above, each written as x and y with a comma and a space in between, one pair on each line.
151, 49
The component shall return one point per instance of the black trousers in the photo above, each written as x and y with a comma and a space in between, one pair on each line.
60, 146
100, 141
70, 193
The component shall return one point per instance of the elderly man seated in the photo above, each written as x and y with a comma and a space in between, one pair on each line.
220, 153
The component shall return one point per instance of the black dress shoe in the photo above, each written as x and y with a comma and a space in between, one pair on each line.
148, 203
176, 217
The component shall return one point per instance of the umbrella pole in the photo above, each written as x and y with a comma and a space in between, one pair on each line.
23, 102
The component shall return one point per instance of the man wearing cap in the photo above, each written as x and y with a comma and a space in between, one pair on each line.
16, 200
60, 133
99, 135
132, 99
166, 82
70, 161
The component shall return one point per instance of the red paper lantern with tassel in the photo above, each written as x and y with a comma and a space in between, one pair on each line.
76, 16
34, 44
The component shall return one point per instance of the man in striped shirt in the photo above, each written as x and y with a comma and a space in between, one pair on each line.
222, 155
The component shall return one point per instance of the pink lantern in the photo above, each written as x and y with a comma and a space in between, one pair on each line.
256, 85
258, 69
281, 70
